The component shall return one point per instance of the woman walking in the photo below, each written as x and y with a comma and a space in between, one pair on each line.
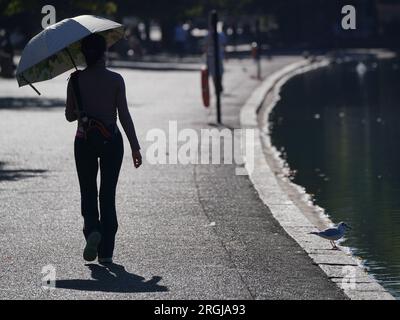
94, 97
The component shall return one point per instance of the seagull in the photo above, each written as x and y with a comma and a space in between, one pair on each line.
333, 234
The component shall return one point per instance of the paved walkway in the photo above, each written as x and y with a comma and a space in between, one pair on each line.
186, 231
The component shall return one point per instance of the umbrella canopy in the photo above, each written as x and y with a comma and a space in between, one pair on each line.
56, 49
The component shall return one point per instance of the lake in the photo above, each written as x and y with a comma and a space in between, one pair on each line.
339, 130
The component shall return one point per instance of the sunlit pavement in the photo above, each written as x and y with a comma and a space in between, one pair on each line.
185, 231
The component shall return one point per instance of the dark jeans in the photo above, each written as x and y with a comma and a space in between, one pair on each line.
87, 156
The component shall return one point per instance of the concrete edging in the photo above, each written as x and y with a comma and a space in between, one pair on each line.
340, 267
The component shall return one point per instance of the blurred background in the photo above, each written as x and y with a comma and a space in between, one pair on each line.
158, 27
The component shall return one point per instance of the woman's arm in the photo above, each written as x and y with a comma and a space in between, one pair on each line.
125, 116
70, 107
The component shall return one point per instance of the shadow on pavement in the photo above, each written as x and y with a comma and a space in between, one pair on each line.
17, 174
27, 103
112, 278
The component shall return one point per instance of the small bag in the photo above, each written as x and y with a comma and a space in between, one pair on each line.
97, 134
94, 130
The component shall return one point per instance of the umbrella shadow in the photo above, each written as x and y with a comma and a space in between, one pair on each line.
112, 278
17, 174
20, 103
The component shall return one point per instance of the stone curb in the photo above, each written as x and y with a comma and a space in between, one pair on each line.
342, 268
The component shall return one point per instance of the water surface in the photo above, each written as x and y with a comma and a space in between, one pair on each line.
339, 130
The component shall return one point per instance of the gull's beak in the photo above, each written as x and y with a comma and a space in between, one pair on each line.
348, 227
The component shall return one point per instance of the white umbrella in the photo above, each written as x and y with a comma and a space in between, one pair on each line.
57, 48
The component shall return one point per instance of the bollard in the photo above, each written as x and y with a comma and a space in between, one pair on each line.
217, 63
257, 45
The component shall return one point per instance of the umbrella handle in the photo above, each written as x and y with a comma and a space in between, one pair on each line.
31, 85
72, 59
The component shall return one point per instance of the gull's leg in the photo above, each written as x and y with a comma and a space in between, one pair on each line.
334, 247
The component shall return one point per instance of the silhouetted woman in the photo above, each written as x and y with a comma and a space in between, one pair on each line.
94, 97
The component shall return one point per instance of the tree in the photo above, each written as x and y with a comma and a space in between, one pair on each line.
27, 14
169, 13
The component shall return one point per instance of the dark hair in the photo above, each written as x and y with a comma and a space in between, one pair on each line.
93, 48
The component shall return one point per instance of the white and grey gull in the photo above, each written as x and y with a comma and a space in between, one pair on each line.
333, 234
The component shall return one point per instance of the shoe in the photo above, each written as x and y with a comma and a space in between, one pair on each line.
92, 242
105, 260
